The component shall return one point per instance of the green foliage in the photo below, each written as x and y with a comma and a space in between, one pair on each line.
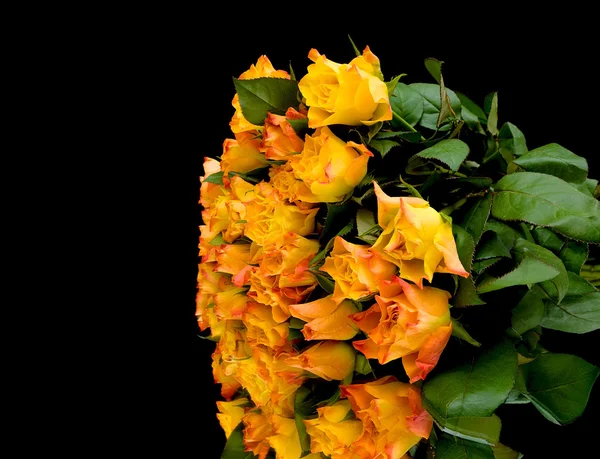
458, 448
552, 159
234, 448
260, 96
451, 152
432, 104
406, 104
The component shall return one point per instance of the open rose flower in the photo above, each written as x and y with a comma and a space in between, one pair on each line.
326, 318
332, 433
279, 139
242, 154
356, 270
406, 322
392, 415
350, 94
329, 166
231, 413
416, 238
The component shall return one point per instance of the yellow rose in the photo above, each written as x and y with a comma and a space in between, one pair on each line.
279, 139
231, 413
406, 322
257, 430
326, 319
416, 238
330, 167
286, 441
290, 188
356, 270
351, 94
331, 433
242, 154
223, 373
209, 284
230, 301
392, 415
262, 329
326, 359
263, 68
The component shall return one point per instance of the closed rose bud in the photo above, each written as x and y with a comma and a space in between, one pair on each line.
327, 359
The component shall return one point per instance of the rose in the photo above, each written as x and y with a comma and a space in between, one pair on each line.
285, 182
326, 359
356, 270
332, 433
279, 139
392, 415
263, 330
416, 238
330, 167
285, 441
242, 154
231, 413
350, 94
263, 68
326, 319
406, 322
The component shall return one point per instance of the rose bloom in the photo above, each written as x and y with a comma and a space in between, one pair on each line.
224, 373
257, 430
231, 413
406, 322
242, 154
279, 139
330, 167
416, 238
350, 94
263, 68
326, 319
209, 284
263, 330
284, 181
392, 415
237, 260
331, 433
356, 270
286, 441
326, 359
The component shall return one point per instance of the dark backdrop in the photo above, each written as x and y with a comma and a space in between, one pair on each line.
546, 87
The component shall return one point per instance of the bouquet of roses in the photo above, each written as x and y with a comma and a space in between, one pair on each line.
378, 262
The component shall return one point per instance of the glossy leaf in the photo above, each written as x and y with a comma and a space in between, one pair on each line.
406, 103
451, 152
491, 246
459, 332
217, 178
578, 312
260, 96
234, 448
573, 255
559, 385
528, 312
511, 141
504, 452
472, 107
432, 104
545, 200
457, 448
300, 414
492, 124
476, 216
473, 389
383, 146
547, 238
484, 430
465, 294
553, 159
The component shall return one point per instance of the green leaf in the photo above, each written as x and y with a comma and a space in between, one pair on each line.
356, 51
260, 96
484, 430
411, 189
536, 264
234, 448
547, 238
480, 266
573, 255
302, 411
446, 108
587, 187
557, 286
456, 448
406, 103
325, 281
465, 294
383, 146
459, 332
559, 385
434, 67
362, 365
451, 152
506, 232
504, 452
432, 104
366, 226
297, 324
491, 103
391, 85
472, 107
545, 200
528, 312
218, 240
473, 389
492, 246
300, 126
217, 178
337, 214
578, 312
511, 141
476, 216
552, 159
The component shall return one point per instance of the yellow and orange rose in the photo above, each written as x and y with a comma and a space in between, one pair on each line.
416, 238
350, 94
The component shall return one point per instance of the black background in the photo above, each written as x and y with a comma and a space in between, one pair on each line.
546, 88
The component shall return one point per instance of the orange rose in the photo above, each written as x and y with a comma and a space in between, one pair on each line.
331, 433
286, 441
406, 322
242, 154
263, 68
257, 430
416, 238
262, 329
356, 270
326, 319
330, 167
279, 139
392, 415
223, 373
289, 187
326, 359
351, 94
209, 284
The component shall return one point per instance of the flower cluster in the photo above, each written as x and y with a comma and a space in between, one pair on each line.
319, 266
